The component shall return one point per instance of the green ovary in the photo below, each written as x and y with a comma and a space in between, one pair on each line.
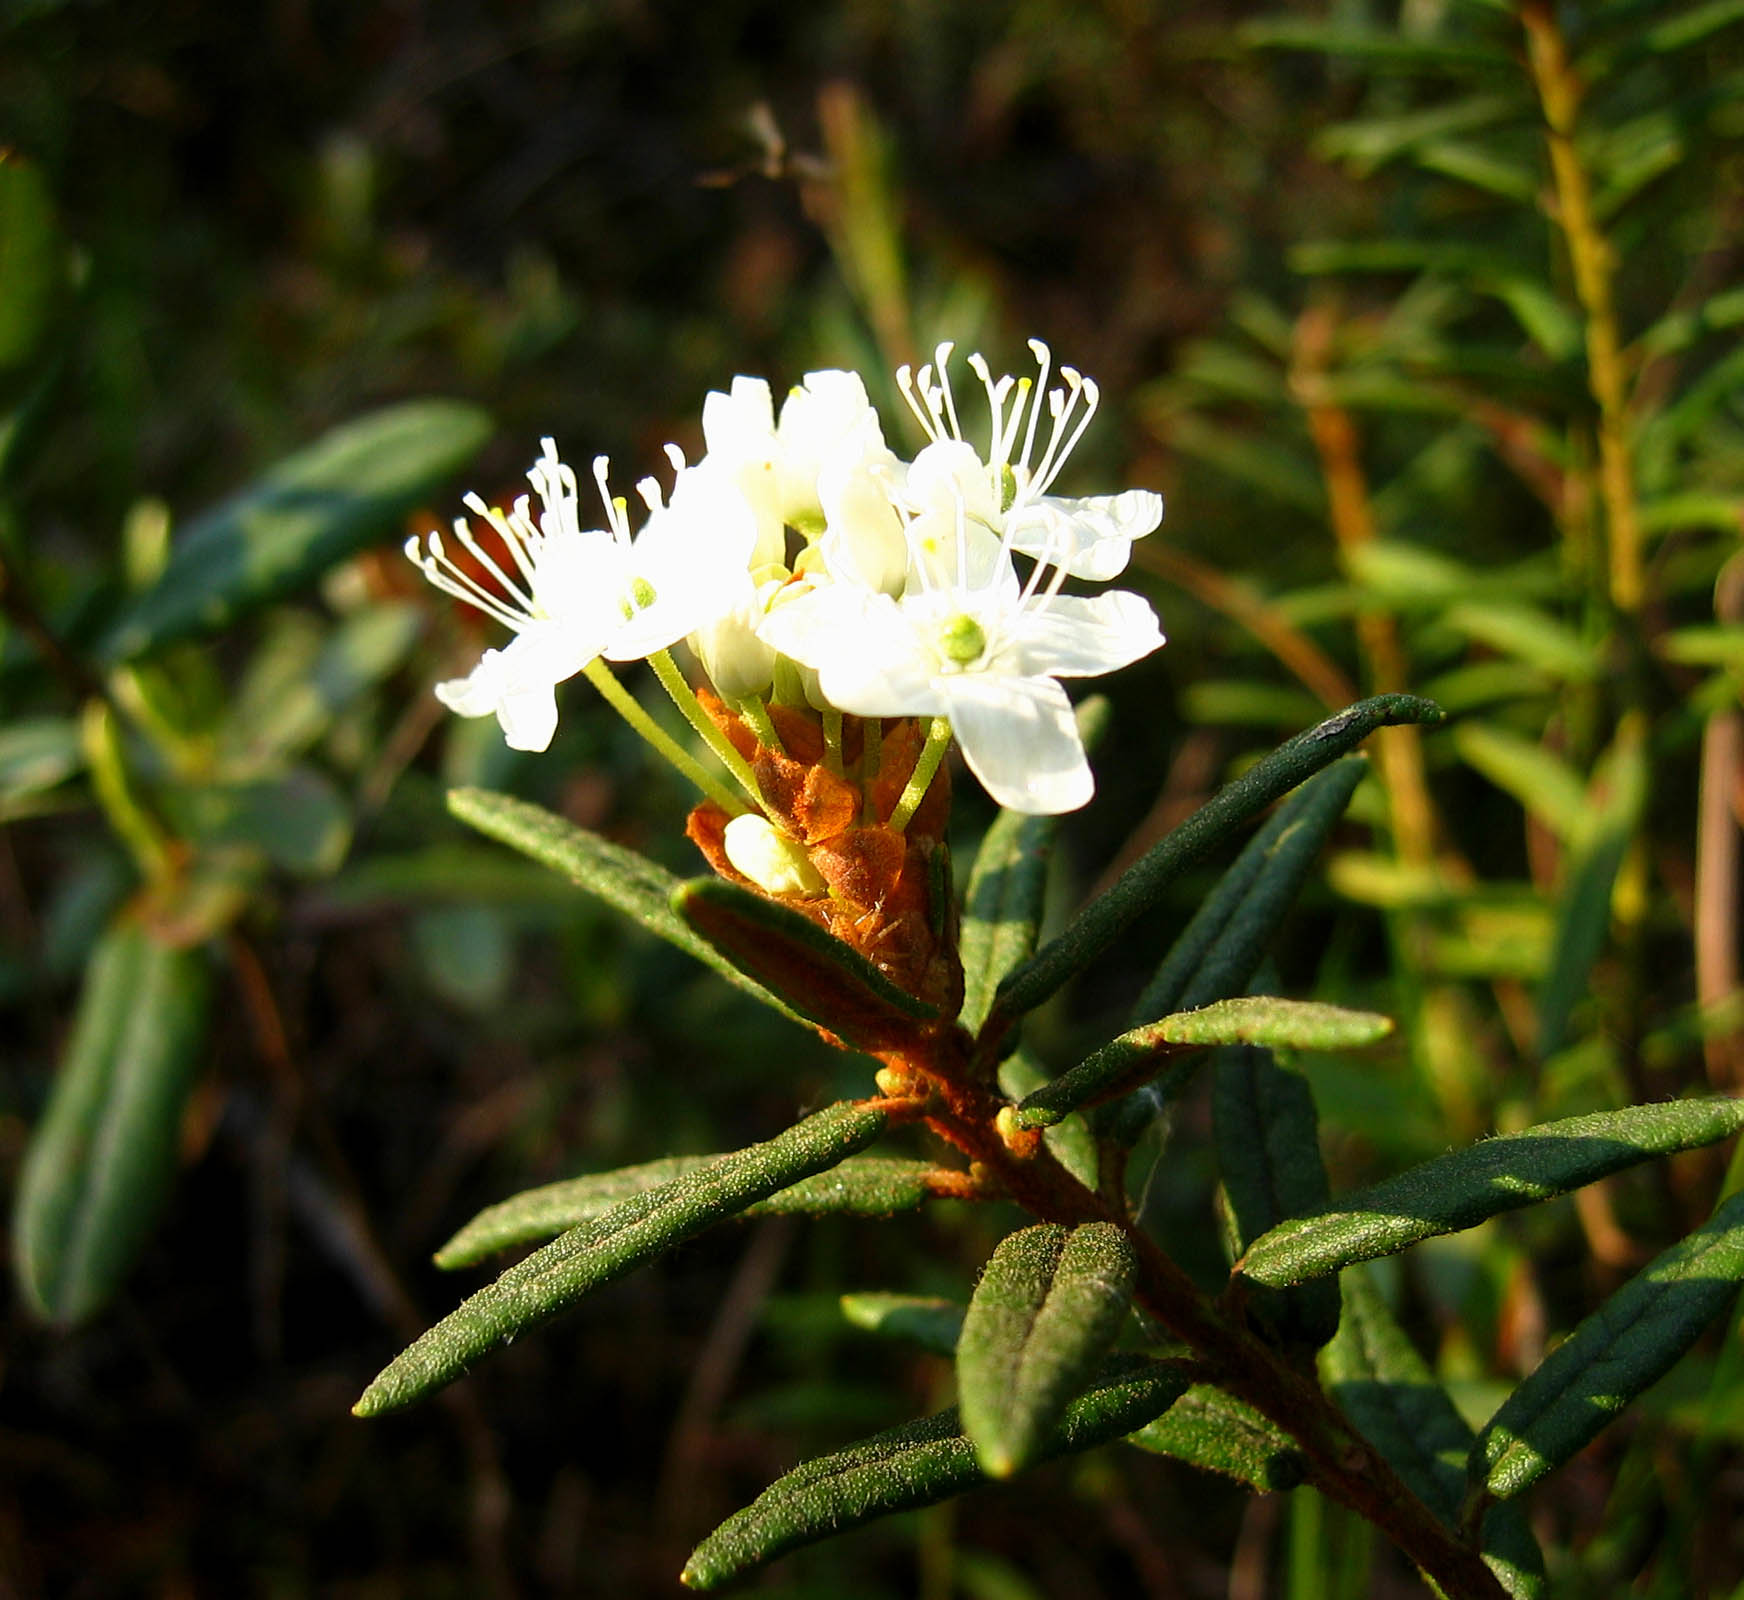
962, 640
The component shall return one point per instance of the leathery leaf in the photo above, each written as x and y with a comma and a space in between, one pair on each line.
1627, 1345
813, 972
626, 881
915, 1465
1047, 1309
1381, 1383
865, 1186
1460, 1190
1122, 1064
1101, 922
598, 1252
1212, 1430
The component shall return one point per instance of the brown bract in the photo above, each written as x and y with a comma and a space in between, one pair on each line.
889, 893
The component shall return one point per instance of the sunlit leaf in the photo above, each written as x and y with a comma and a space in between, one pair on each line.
1628, 1344
634, 1231
1047, 1309
1463, 1188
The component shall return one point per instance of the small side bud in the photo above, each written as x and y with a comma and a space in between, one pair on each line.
772, 861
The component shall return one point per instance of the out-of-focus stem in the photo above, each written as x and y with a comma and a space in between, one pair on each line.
1353, 525
1592, 263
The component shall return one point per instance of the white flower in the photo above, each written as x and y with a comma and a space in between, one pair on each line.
983, 651
1091, 538
825, 466
572, 594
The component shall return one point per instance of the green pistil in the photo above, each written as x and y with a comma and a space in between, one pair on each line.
629, 708
938, 741
684, 697
757, 718
962, 639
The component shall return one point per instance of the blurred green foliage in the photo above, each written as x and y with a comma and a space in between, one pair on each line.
1426, 319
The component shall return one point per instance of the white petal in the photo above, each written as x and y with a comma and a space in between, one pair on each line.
740, 425
947, 473
1020, 739
525, 706
869, 658
1091, 538
1083, 637
864, 541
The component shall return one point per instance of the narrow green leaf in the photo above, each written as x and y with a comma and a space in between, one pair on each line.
1070, 1138
1100, 923
1268, 1152
33, 259
1124, 1063
862, 1186
1623, 1348
1047, 1309
1375, 47
1584, 909
297, 820
1214, 1431
1544, 784
819, 977
1002, 911
626, 881
1694, 25
1531, 635
932, 1323
36, 753
100, 1163
1372, 1370
599, 1252
350, 489
918, 1464
1219, 949
1369, 143
1464, 1188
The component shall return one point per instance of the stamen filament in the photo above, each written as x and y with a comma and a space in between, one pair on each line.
757, 717
938, 741
629, 708
684, 697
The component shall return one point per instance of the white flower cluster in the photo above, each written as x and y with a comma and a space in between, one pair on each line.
803, 556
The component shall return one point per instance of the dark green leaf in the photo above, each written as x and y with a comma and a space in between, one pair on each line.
1460, 1190
1375, 47
864, 1186
1100, 923
818, 976
599, 1252
33, 259
915, 1465
1003, 907
1047, 1309
36, 753
1219, 949
1623, 1348
297, 821
1209, 1429
99, 1166
1122, 1064
350, 489
623, 879
1584, 910
926, 1320
1268, 1151
1389, 1393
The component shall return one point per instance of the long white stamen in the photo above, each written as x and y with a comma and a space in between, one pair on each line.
1043, 356
905, 382
942, 356
450, 579
512, 539
617, 518
1055, 457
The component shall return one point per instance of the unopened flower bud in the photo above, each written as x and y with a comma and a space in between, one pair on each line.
772, 861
